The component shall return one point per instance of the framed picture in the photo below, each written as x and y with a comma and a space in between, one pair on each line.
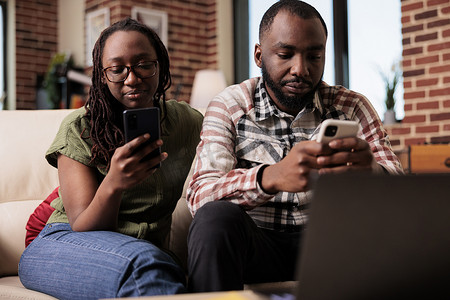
155, 19
96, 21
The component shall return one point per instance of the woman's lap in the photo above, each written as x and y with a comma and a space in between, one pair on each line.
97, 264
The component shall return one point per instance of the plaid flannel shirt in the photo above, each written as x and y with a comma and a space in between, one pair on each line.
243, 130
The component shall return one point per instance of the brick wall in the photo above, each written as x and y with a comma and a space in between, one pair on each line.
192, 41
426, 67
36, 42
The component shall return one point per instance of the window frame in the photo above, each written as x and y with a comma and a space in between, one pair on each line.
241, 40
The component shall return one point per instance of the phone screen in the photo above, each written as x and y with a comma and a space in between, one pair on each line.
140, 121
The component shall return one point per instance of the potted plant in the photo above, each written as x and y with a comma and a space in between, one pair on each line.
57, 68
391, 82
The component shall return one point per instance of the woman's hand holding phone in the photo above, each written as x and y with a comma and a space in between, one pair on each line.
146, 150
140, 121
127, 166
141, 155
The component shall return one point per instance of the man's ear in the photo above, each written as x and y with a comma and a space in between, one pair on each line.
257, 55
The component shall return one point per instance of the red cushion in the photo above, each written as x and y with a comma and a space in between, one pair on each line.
39, 217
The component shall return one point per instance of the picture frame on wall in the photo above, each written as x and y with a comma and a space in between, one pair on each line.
155, 19
96, 22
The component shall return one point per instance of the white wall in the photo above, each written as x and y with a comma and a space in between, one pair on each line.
71, 36
225, 39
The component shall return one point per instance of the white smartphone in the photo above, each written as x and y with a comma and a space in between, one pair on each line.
336, 129
139, 121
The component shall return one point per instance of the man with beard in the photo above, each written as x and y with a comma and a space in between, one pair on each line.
250, 187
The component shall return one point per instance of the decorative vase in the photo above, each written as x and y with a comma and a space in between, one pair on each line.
389, 117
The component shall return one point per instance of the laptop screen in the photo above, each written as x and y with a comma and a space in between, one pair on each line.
377, 236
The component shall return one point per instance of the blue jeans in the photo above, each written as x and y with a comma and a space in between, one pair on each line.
97, 264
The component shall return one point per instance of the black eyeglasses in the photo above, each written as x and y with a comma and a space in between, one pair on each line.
142, 70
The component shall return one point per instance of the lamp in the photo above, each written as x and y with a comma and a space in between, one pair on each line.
207, 84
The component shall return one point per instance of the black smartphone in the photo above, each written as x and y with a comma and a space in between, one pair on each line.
140, 121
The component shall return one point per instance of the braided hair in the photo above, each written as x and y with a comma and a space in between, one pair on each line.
102, 109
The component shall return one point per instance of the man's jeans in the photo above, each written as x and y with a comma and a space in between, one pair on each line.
97, 264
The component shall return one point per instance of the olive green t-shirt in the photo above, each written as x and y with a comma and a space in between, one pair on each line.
146, 209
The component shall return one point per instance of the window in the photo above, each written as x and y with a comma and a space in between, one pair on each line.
375, 44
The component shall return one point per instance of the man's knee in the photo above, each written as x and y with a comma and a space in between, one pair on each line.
216, 220
219, 214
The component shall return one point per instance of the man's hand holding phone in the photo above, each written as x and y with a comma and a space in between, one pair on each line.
339, 151
349, 152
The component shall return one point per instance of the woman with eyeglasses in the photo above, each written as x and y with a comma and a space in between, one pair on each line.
107, 235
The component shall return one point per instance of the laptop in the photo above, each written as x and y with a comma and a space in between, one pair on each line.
377, 237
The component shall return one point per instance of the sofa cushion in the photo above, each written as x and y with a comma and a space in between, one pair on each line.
39, 217
12, 288
25, 177
13, 218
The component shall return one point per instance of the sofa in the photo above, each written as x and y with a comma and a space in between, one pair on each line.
26, 179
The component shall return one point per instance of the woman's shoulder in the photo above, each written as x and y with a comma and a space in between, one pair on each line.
75, 118
71, 138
